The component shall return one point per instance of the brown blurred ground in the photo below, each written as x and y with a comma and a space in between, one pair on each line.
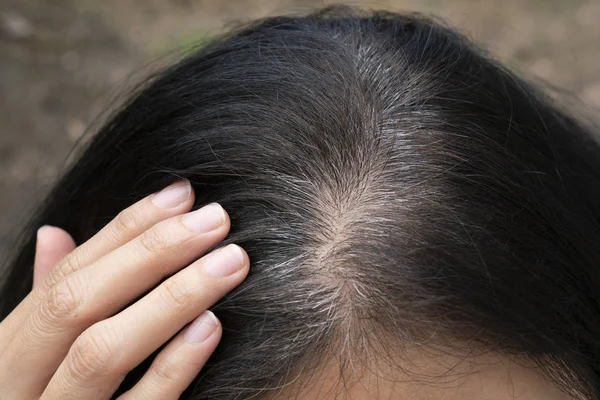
60, 60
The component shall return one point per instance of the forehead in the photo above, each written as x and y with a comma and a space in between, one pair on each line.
488, 377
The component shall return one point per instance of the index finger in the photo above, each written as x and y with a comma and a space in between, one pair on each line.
175, 199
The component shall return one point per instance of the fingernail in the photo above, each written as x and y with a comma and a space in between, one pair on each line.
201, 328
225, 261
173, 195
206, 219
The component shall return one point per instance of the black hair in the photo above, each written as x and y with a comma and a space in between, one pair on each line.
388, 179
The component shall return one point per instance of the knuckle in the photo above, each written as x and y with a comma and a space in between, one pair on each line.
166, 370
63, 302
126, 221
153, 242
176, 294
94, 354
65, 268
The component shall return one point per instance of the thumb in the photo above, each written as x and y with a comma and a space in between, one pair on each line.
53, 244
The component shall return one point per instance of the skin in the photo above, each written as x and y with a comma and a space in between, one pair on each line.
423, 377
68, 340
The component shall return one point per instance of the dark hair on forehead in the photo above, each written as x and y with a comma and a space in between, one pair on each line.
391, 183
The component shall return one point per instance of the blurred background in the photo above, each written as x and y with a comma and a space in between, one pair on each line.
61, 62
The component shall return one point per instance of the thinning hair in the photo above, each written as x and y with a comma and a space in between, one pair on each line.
391, 183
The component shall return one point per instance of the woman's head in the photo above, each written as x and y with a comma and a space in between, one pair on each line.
411, 209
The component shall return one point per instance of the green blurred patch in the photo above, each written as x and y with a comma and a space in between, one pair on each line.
513, 64
185, 44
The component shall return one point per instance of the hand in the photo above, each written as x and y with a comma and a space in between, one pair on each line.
68, 340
